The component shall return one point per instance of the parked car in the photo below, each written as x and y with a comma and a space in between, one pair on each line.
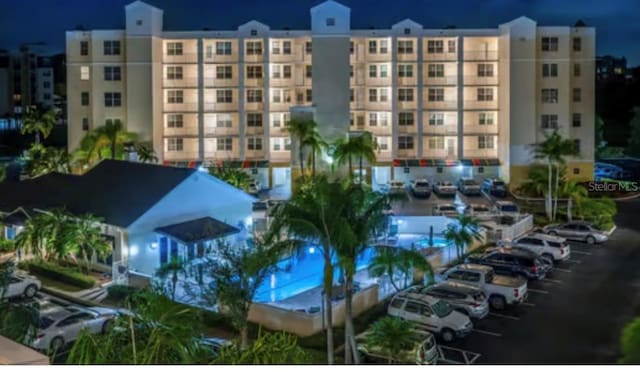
577, 231
420, 188
254, 187
507, 208
495, 187
22, 285
448, 210
501, 290
214, 344
59, 327
549, 246
468, 186
480, 211
445, 189
513, 262
423, 352
434, 314
464, 298
397, 187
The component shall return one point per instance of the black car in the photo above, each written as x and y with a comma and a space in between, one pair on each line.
495, 187
513, 262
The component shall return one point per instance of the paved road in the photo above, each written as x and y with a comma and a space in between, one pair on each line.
576, 315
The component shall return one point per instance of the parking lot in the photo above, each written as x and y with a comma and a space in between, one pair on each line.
424, 206
575, 315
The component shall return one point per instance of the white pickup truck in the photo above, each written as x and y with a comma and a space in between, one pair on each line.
501, 290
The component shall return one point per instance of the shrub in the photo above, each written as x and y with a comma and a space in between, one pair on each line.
120, 292
62, 274
630, 342
6, 246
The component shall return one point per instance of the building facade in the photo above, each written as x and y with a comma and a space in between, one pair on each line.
441, 103
26, 79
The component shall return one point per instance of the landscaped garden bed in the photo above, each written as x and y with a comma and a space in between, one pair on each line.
53, 272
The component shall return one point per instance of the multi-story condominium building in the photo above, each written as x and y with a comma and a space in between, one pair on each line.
441, 103
26, 79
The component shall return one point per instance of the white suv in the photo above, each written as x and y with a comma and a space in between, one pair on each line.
22, 285
432, 313
552, 247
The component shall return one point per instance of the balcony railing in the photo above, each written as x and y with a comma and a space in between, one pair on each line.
180, 83
182, 58
480, 80
213, 82
254, 154
181, 107
480, 55
480, 153
210, 130
440, 80
440, 104
474, 104
181, 155
450, 129
444, 56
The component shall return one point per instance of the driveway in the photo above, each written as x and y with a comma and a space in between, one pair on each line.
576, 315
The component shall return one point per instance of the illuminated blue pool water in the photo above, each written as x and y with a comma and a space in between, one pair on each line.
299, 274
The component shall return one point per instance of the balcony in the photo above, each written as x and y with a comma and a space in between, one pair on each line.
407, 81
480, 55
254, 154
186, 58
448, 129
377, 130
186, 131
254, 130
481, 105
407, 105
189, 82
442, 80
384, 156
181, 107
252, 82
474, 128
440, 105
480, 153
214, 131
407, 129
253, 106
181, 155
219, 83
445, 153
282, 82
408, 153
444, 56
280, 156
221, 155
480, 80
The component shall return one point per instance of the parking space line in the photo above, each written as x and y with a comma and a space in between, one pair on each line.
537, 291
561, 270
581, 252
504, 316
551, 281
573, 261
528, 304
494, 334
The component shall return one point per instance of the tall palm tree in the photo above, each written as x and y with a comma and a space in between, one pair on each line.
345, 150
44, 160
392, 335
366, 150
575, 192
463, 233
171, 269
39, 121
300, 129
112, 135
316, 215
233, 176
88, 239
388, 260
547, 151
146, 154
566, 147
536, 182
316, 145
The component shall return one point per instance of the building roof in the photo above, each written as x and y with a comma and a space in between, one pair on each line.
197, 230
17, 217
117, 191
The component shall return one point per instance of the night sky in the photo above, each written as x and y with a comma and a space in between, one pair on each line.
616, 21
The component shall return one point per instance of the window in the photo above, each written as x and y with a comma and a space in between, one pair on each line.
351, 95
275, 47
384, 71
276, 72
413, 307
549, 96
577, 44
307, 47
383, 119
373, 47
577, 69
451, 46
286, 71
350, 71
111, 47
224, 144
84, 98
436, 95
223, 48
577, 95
485, 94
224, 96
174, 144
84, 48
254, 143
85, 124
485, 118
405, 143
254, 32
307, 71
405, 71
46, 96
405, 46
351, 47
549, 70
397, 303
112, 73
208, 52
384, 97
435, 46
175, 121
360, 121
254, 119
224, 72
485, 142
436, 118
308, 95
406, 118
485, 70
384, 46
330, 21
174, 73
254, 95
373, 95
174, 49
436, 143
549, 44
276, 96
175, 96
549, 121
112, 99
254, 48
373, 71
286, 47
576, 145
46, 84
373, 119
405, 95
255, 72
576, 170
383, 143
224, 121
84, 73
576, 120
407, 31
435, 70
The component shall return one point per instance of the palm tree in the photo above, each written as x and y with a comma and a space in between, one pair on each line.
547, 151
88, 238
301, 129
171, 269
146, 154
316, 144
113, 136
392, 335
345, 150
575, 192
38, 121
316, 215
233, 176
366, 149
388, 260
47, 235
566, 147
268, 349
462, 233
536, 182
44, 160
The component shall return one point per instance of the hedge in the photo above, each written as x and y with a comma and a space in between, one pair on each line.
120, 292
62, 274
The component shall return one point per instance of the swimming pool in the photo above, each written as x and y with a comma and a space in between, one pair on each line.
299, 274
